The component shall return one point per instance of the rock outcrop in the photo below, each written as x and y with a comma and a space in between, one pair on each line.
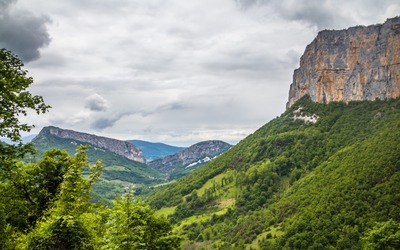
193, 154
359, 63
122, 148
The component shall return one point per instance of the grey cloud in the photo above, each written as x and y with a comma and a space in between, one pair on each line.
96, 102
22, 33
5, 5
171, 106
310, 11
249, 66
322, 14
103, 123
245, 4
107, 122
161, 109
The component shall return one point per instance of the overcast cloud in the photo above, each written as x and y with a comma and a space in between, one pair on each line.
22, 32
172, 71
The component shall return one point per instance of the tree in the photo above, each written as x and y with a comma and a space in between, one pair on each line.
30, 189
133, 225
384, 235
15, 100
65, 226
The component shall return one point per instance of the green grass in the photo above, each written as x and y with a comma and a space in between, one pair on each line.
273, 231
193, 219
226, 203
209, 184
165, 211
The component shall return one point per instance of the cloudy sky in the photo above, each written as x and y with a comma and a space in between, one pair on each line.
170, 71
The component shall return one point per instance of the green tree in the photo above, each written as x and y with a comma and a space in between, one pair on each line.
133, 225
385, 236
65, 226
17, 204
30, 189
15, 100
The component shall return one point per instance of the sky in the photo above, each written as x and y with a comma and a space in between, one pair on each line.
171, 71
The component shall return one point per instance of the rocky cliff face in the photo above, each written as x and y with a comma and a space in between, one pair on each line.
359, 63
122, 148
193, 154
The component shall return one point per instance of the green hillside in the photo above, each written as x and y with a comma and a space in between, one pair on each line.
293, 184
118, 173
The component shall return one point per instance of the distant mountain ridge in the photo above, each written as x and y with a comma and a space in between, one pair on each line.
190, 158
121, 148
155, 150
126, 162
119, 173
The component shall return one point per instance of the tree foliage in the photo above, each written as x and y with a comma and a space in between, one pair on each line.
46, 205
384, 235
15, 100
133, 225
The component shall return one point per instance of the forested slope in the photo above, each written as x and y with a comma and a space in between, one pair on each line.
296, 184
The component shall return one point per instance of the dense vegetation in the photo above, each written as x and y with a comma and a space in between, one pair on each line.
45, 204
118, 173
333, 184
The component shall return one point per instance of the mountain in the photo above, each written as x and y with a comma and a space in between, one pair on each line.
187, 160
359, 63
118, 147
124, 163
323, 175
153, 151
121, 170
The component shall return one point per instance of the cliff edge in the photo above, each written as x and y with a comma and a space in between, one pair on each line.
122, 148
359, 63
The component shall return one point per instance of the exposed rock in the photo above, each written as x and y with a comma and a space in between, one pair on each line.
379, 115
298, 115
359, 63
195, 153
122, 148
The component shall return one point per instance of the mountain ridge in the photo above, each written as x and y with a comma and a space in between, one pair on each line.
155, 150
119, 147
191, 157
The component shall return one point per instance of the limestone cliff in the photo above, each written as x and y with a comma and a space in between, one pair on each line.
359, 63
122, 148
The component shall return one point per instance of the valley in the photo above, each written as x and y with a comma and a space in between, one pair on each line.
126, 167
324, 174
